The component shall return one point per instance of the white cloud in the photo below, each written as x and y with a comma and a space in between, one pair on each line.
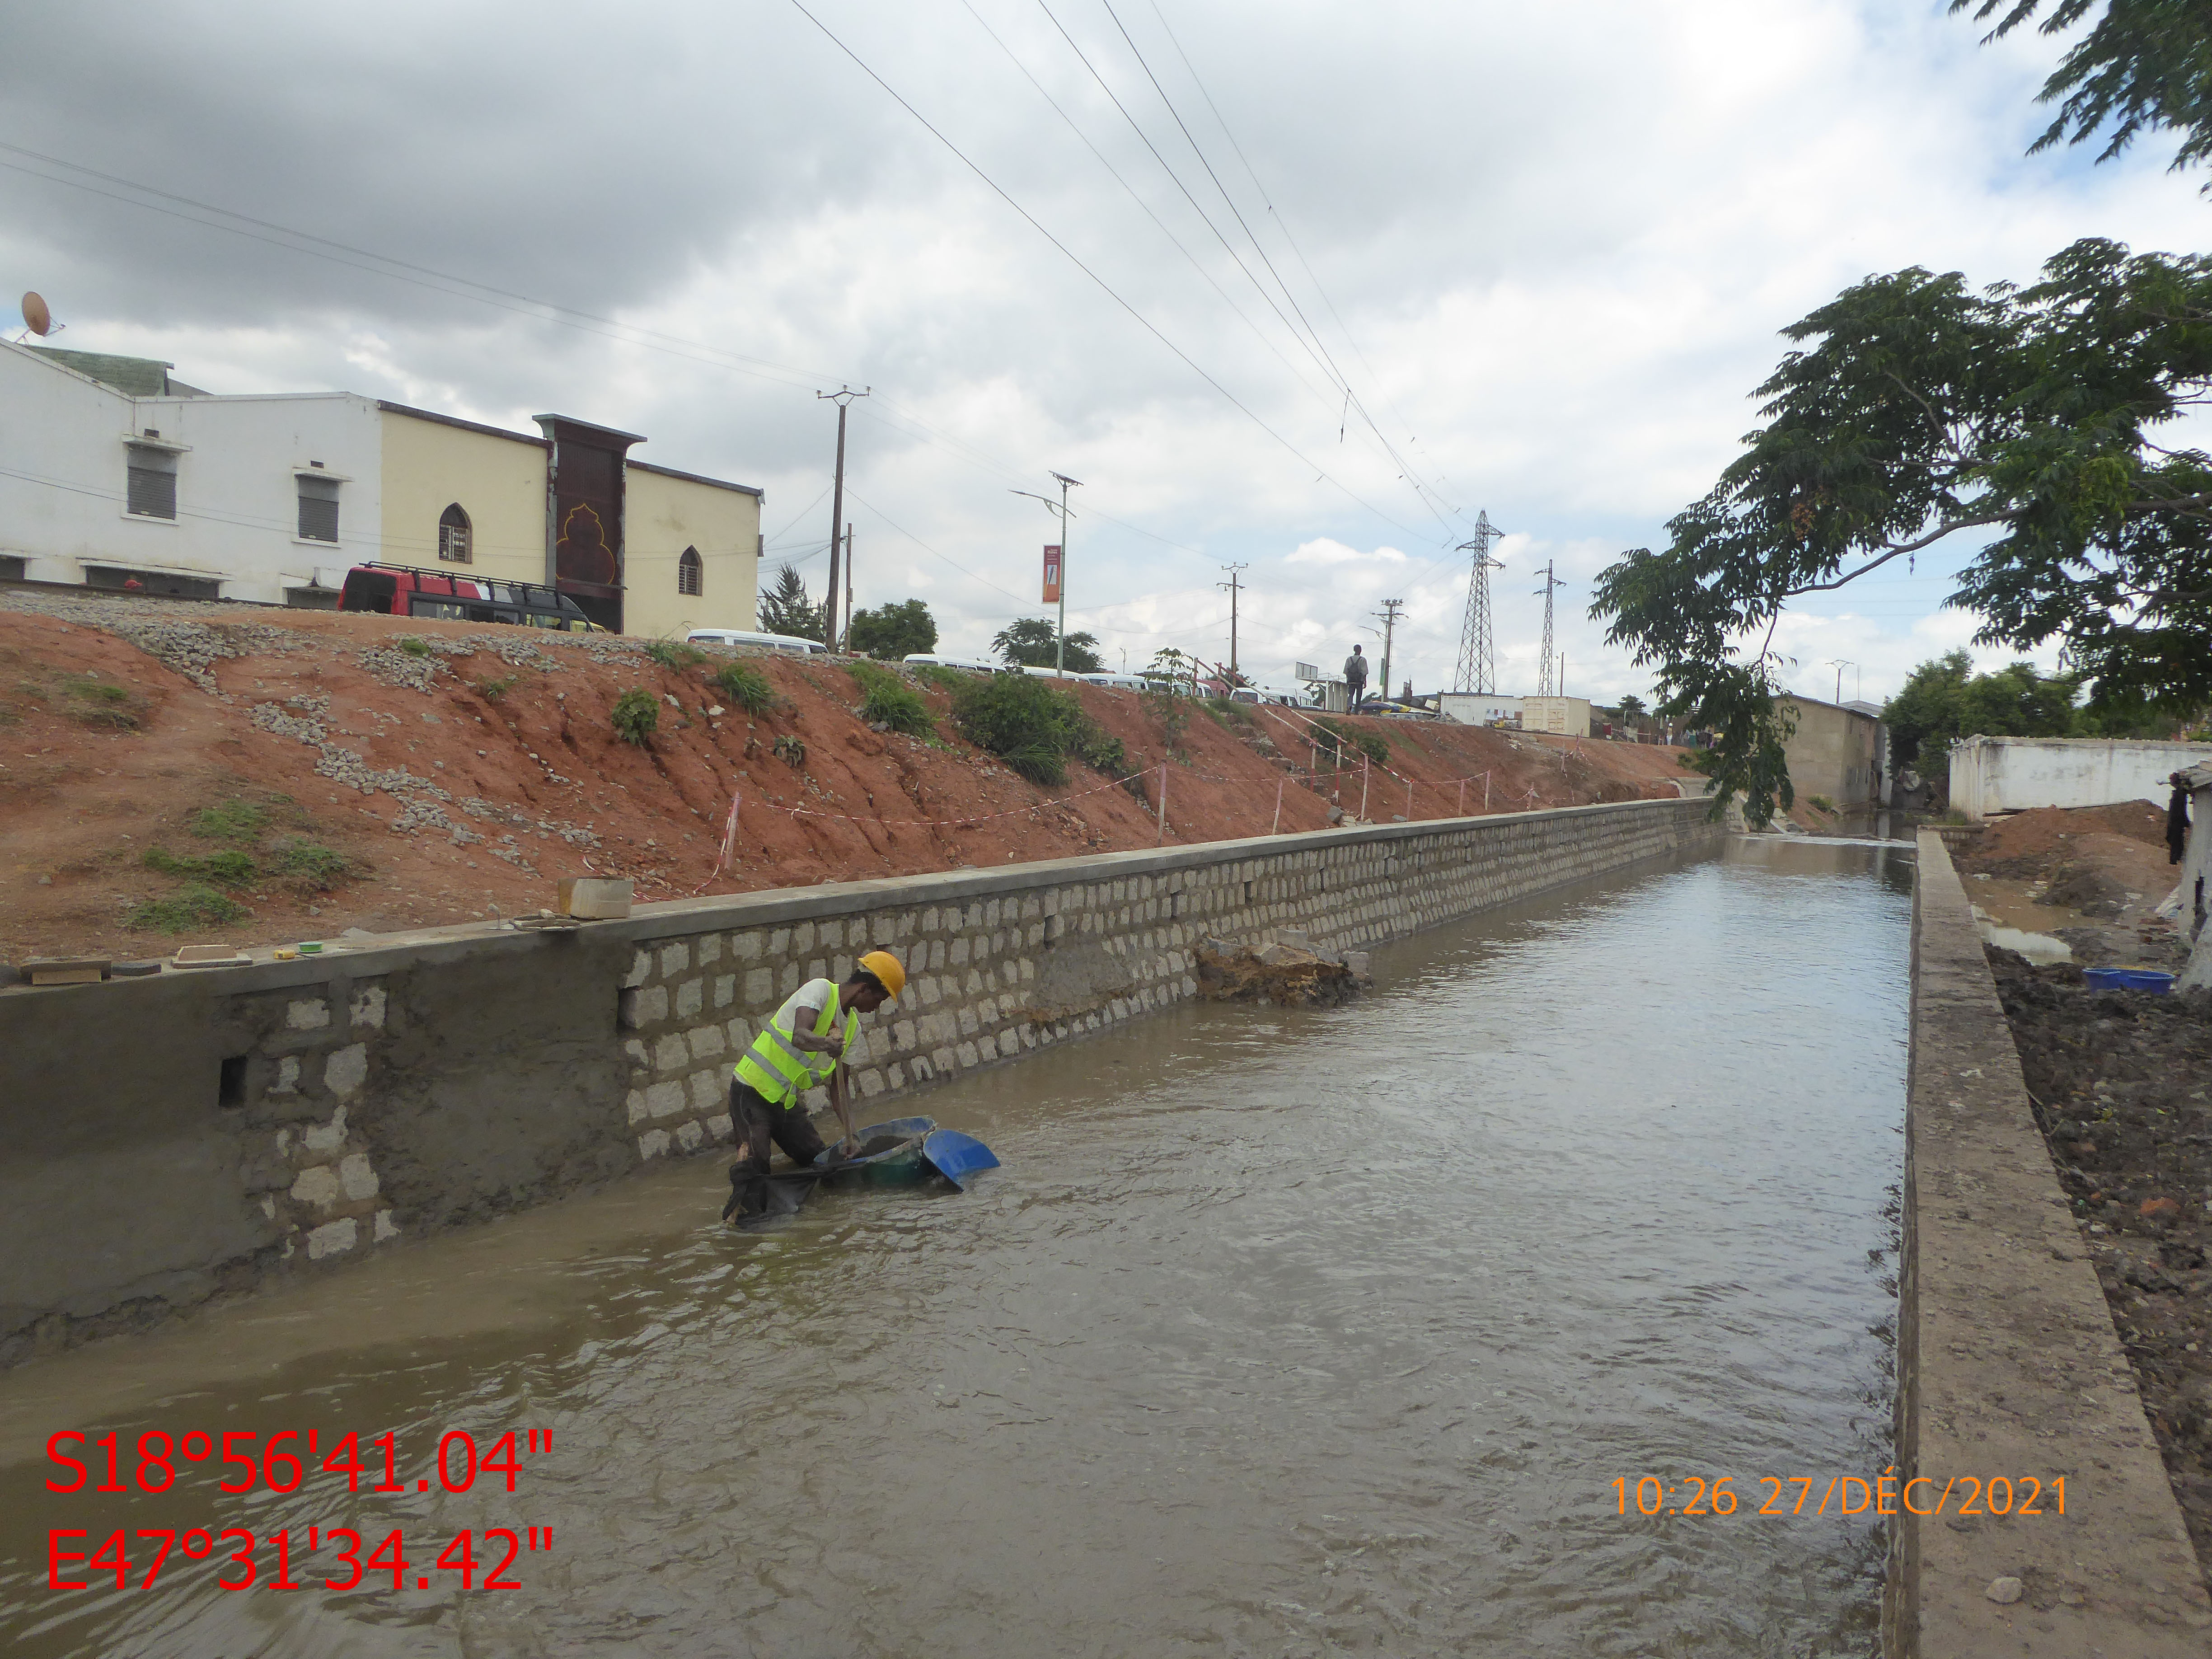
1324, 549
1557, 246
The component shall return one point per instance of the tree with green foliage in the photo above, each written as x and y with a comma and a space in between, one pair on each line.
893, 632
785, 609
1920, 409
1944, 700
2144, 63
1631, 708
1916, 407
1031, 642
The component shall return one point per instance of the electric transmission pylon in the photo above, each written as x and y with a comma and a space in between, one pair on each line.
1544, 688
1477, 649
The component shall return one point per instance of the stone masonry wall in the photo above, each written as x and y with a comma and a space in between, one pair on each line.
992, 977
173, 1138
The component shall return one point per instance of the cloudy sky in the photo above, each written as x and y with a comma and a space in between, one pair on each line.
1547, 249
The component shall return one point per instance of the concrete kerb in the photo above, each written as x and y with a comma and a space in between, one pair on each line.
2009, 1365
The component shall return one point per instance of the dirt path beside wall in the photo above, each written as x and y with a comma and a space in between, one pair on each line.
360, 782
2122, 1087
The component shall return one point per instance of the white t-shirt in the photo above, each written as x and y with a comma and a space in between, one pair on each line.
817, 994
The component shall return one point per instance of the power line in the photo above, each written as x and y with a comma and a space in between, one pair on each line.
501, 299
1144, 322
1131, 189
1283, 225
1309, 340
1167, 167
926, 548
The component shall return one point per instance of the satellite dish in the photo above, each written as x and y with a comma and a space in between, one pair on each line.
36, 317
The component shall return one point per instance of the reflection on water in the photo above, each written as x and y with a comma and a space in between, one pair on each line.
1280, 1332
2041, 949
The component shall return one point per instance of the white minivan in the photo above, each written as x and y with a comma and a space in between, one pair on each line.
931, 659
790, 642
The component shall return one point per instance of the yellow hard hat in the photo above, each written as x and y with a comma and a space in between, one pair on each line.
886, 968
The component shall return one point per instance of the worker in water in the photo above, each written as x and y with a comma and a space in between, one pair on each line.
807, 1041
1355, 678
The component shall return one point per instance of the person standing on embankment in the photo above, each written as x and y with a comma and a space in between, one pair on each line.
1355, 677
804, 1043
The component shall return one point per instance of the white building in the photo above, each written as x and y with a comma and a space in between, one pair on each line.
1992, 775
113, 473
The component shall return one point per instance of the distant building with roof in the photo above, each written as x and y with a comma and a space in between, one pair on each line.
117, 475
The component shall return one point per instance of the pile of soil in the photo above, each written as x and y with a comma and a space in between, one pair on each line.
2121, 1082
2104, 868
2031, 843
290, 775
1288, 976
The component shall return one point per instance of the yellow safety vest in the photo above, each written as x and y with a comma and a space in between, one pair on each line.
774, 1068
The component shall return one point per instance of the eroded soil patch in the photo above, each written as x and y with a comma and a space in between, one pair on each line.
2121, 1082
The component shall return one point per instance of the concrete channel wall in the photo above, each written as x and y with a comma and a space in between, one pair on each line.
2008, 1366
171, 1138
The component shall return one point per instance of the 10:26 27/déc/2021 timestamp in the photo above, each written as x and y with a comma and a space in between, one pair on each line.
1844, 1495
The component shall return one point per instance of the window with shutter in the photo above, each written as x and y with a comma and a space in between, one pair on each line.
690, 572
318, 509
453, 535
150, 484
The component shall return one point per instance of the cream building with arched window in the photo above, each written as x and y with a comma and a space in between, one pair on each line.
121, 476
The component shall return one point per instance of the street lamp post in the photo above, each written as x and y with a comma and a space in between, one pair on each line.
1060, 641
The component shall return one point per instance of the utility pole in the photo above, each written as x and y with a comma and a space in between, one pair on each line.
1477, 650
841, 397
1544, 681
1388, 613
1839, 663
1067, 483
1233, 586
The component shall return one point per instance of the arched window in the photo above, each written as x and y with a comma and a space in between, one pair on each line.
690, 572
453, 535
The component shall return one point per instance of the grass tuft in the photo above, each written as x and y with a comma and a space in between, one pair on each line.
229, 820
96, 701
1375, 748
309, 863
493, 689
674, 655
186, 911
228, 868
747, 686
887, 700
636, 716
414, 645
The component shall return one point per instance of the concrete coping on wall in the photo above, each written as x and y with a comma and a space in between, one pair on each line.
2009, 1365
678, 918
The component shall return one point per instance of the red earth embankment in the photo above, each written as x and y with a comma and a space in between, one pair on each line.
318, 772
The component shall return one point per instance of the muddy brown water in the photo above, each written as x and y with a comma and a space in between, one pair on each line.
1280, 1332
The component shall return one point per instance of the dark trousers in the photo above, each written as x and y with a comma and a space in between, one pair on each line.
756, 1120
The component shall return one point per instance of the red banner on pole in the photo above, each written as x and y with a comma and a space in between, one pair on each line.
1052, 575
